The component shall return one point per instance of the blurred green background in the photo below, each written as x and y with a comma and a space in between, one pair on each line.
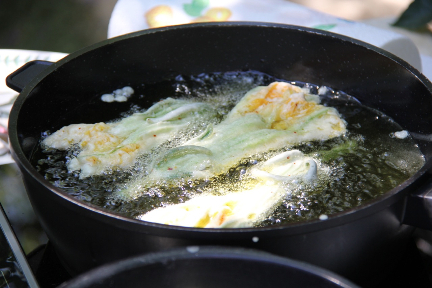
53, 25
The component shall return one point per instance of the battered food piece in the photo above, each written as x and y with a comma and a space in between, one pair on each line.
243, 208
266, 118
117, 145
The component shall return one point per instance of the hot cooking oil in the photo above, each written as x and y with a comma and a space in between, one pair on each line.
369, 160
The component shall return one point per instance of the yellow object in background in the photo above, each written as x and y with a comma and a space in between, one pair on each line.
215, 14
197, 11
159, 16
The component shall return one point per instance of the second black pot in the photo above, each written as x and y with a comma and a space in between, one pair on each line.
196, 266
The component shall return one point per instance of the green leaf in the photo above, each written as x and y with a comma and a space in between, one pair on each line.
196, 7
325, 26
416, 16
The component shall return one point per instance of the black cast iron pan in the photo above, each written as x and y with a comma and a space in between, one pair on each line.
196, 266
361, 244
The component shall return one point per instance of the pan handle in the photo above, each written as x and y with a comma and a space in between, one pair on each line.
418, 208
22, 76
